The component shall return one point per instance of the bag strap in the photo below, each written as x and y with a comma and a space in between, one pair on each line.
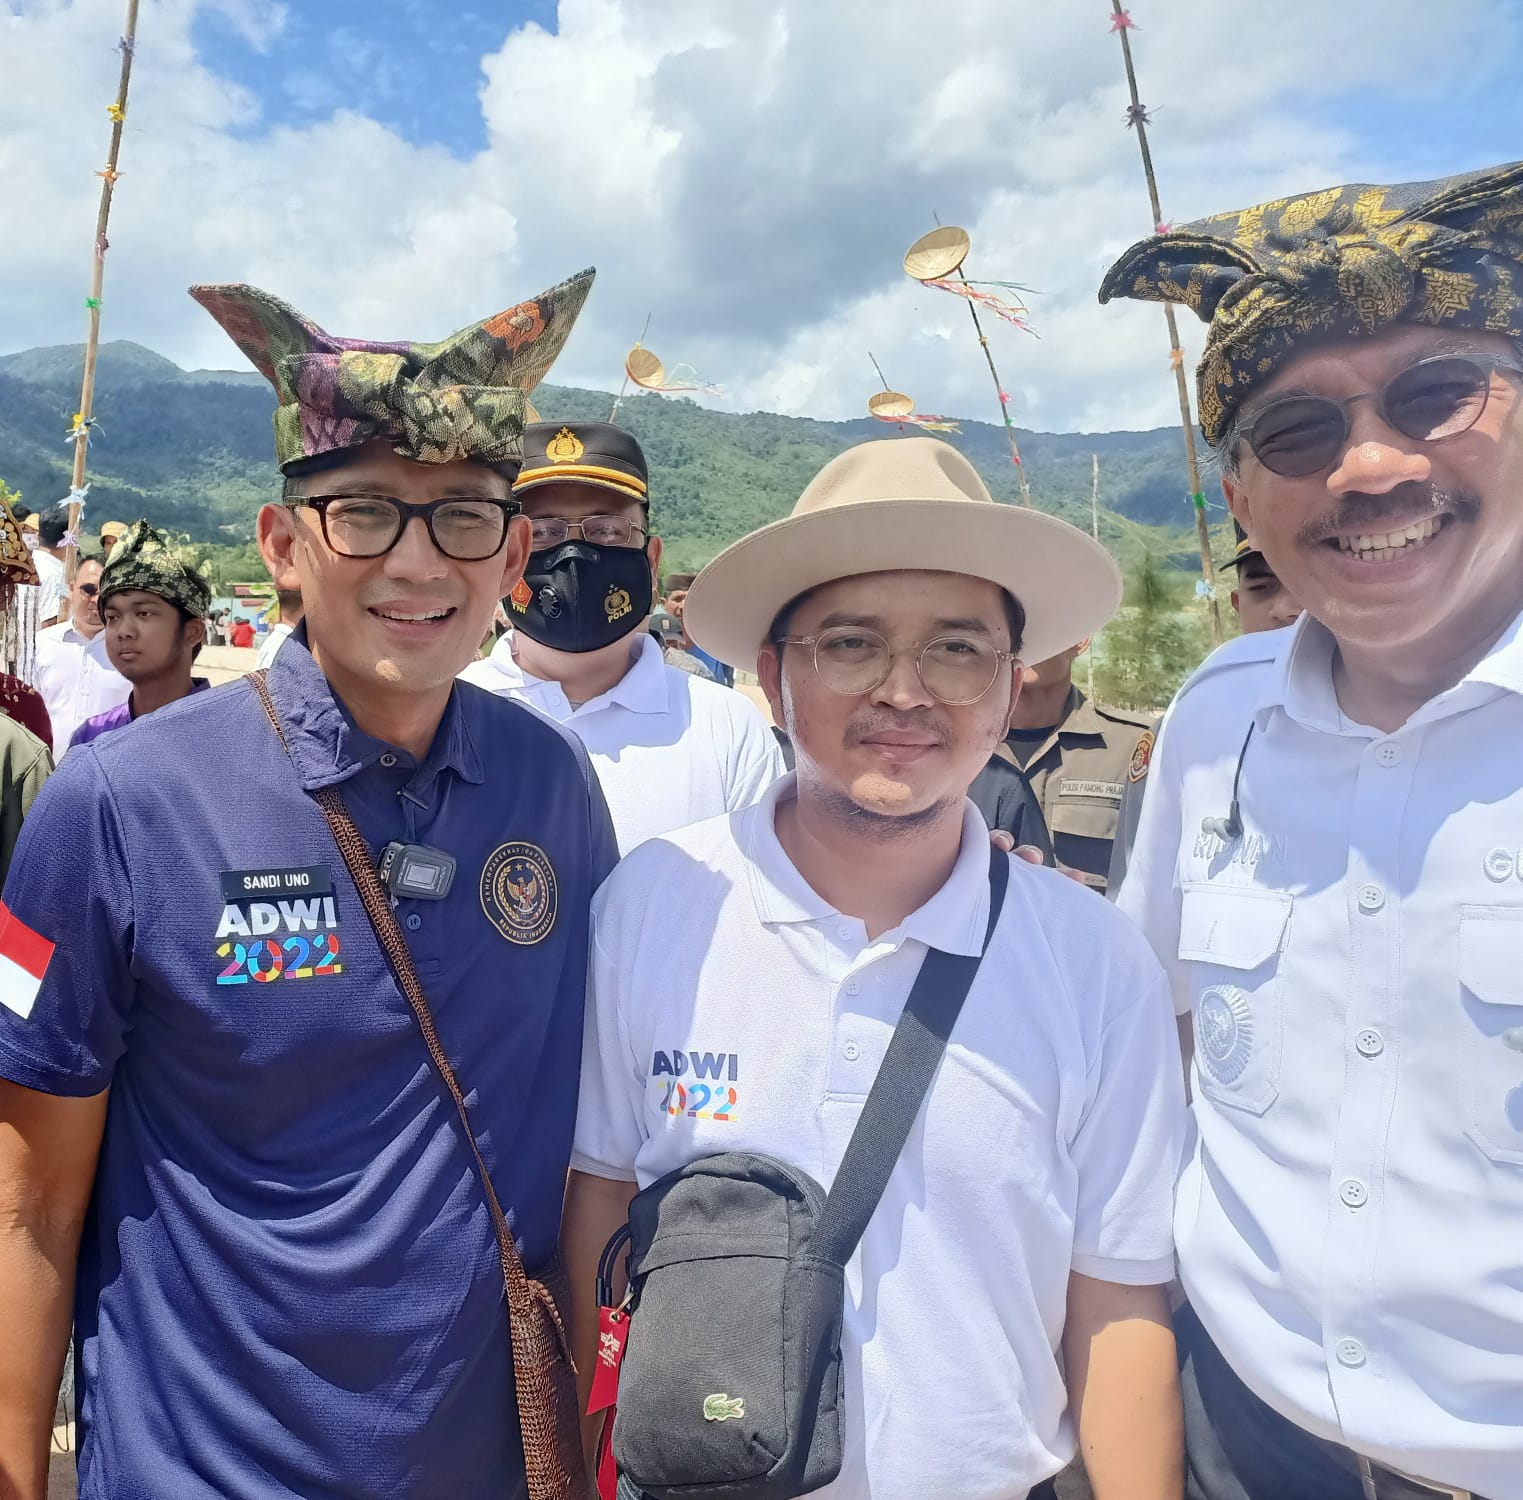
903, 1081
535, 1394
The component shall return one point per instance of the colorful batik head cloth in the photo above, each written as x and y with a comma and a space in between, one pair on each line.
466, 397
1343, 263
144, 559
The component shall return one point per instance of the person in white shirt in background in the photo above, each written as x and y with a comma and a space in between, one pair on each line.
47, 530
73, 672
289, 600
668, 747
1009, 1296
1330, 861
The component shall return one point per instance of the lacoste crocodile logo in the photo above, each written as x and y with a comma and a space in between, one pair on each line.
722, 1408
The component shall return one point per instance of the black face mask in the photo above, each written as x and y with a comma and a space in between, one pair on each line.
577, 597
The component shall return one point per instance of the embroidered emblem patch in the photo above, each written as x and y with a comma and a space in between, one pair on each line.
723, 1408
1224, 1029
565, 447
521, 597
617, 604
1142, 757
519, 893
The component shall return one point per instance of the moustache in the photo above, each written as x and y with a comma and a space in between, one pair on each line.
877, 722
1359, 512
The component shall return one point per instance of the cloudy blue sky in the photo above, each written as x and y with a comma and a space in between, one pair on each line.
748, 175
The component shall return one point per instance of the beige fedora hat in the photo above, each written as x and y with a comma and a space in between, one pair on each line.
898, 504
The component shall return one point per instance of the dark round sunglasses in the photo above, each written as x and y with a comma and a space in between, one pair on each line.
1434, 399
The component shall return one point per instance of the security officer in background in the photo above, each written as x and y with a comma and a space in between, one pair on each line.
1079, 758
290, 1280
669, 748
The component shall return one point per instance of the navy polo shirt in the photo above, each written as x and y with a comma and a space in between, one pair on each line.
289, 1284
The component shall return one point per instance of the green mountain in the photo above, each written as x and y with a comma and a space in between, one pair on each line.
191, 450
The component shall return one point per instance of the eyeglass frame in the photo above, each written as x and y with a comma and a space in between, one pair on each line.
407, 514
582, 535
813, 642
1489, 364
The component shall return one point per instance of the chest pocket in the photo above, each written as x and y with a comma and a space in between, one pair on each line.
1233, 939
1490, 966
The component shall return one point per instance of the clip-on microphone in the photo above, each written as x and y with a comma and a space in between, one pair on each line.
1230, 828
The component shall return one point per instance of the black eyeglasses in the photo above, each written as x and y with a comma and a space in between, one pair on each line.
953, 669
465, 530
601, 531
1431, 400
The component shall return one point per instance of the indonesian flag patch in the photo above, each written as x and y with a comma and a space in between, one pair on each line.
24, 959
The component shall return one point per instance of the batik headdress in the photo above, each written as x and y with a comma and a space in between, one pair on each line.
1343, 263
145, 559
464, 397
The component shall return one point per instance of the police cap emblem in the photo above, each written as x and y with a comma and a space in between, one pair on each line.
519, 892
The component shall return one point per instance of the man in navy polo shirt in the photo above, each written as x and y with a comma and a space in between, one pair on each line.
223, 1147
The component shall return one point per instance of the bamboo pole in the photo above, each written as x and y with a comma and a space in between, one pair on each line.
82, 422
1094, 530
1138, 119
999, 389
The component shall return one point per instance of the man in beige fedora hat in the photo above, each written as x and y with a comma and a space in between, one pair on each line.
1006, 1302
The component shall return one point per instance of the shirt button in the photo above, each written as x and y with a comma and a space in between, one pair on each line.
1354, 1193
1388, 754
1350, 1353
414, 921
1370, 1042
388, 760
843, 932
852, 987
851, 1052
1371, 898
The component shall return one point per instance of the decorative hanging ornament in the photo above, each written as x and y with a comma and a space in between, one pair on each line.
117, 112
1121, 20
896, 407
647, 372
1138, 114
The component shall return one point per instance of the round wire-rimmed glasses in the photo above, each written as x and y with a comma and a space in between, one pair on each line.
368, 526
954, 669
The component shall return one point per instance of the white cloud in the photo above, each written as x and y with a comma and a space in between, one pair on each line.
750, 175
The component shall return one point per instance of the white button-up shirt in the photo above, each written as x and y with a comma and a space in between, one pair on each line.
76, 680
1350, 1224
732, 1009
669, 748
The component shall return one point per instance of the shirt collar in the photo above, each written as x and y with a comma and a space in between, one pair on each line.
326, 744
1302, 680
642, 689
954, 919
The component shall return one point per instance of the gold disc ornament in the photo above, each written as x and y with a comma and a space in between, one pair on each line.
939, 254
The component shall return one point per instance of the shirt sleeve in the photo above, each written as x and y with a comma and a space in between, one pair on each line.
757, 760
1128, 1146
27, 765
1150, 893
67, 992
609, 1132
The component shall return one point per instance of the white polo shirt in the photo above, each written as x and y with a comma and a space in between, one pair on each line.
669, 748
732, 1009
274, 639
76, 680
1350, 1224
